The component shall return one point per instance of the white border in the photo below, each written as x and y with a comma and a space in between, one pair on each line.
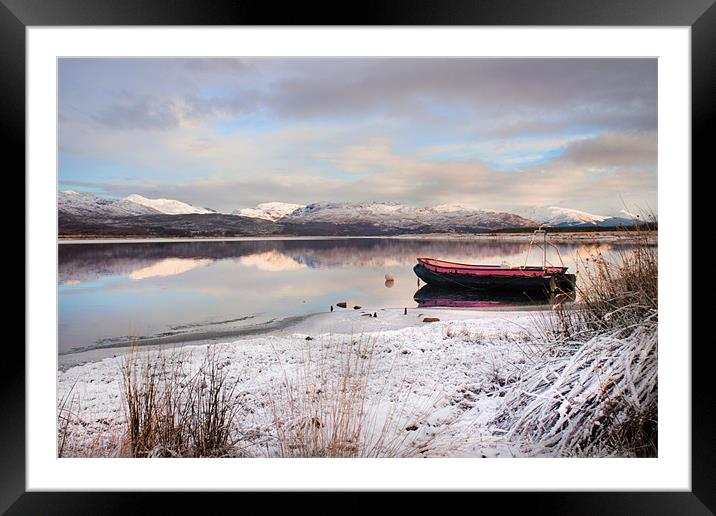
670, 471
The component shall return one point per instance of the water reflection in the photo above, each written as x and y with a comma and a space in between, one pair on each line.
431, 297
111, 292
272, 261
168, 267
88, 262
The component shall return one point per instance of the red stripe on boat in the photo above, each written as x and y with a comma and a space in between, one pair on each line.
444, 267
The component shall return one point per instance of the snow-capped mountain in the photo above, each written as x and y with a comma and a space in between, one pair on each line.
566, 217
88, 214
556, 216
269, 210
166, 206
87, 204
399, 216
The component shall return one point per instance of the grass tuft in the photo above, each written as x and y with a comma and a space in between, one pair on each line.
335, 405
594, 389
173, 412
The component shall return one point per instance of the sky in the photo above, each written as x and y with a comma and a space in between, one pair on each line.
498, 134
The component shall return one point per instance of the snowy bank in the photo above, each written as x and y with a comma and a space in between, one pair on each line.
442, 379
474, 384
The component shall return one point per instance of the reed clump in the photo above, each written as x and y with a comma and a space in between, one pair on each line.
335, 405
332, 403
618, 295
595, 389
171, 411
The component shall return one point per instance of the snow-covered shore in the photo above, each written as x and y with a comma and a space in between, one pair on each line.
341, 321
443, 379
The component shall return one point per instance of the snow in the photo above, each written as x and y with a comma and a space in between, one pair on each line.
449, 208
394, 215
444, 376
87, 204
166, 206
556, 216
269, 210
441, 218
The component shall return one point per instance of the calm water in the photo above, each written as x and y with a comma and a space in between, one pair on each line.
188, 291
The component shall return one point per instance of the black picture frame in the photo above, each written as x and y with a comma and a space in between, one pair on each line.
700, 15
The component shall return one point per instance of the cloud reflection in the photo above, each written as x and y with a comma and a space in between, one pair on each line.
168, 267
272, 261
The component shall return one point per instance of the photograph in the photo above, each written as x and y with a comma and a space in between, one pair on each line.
357, 257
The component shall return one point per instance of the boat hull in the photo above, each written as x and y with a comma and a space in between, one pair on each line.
430, 296
496, 280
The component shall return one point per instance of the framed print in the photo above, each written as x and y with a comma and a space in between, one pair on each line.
426, 251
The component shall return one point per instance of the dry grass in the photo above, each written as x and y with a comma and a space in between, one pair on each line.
331, 403
600, 397
594, 389
336, 405
172, 412
65, 416
615, 296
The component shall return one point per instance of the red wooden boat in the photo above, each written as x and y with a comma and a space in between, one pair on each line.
443, 273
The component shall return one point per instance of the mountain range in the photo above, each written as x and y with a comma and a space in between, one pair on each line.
567, 217
82, 213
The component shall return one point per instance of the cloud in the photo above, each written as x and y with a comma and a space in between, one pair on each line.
378, 171
519, 89
527, 94
488, 133
145, 112
152, 112
505, 152
614, 150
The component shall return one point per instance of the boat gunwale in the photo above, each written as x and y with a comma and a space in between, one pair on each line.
433, 262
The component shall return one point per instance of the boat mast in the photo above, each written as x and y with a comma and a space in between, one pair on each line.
544, 246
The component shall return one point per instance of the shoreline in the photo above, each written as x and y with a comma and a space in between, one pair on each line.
627, 236
438, 376
340, 322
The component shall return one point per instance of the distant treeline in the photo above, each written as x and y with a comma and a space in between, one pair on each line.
650, 226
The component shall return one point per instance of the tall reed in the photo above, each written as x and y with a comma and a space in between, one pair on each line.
174, 412
595, 390
336, 405
617, 295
